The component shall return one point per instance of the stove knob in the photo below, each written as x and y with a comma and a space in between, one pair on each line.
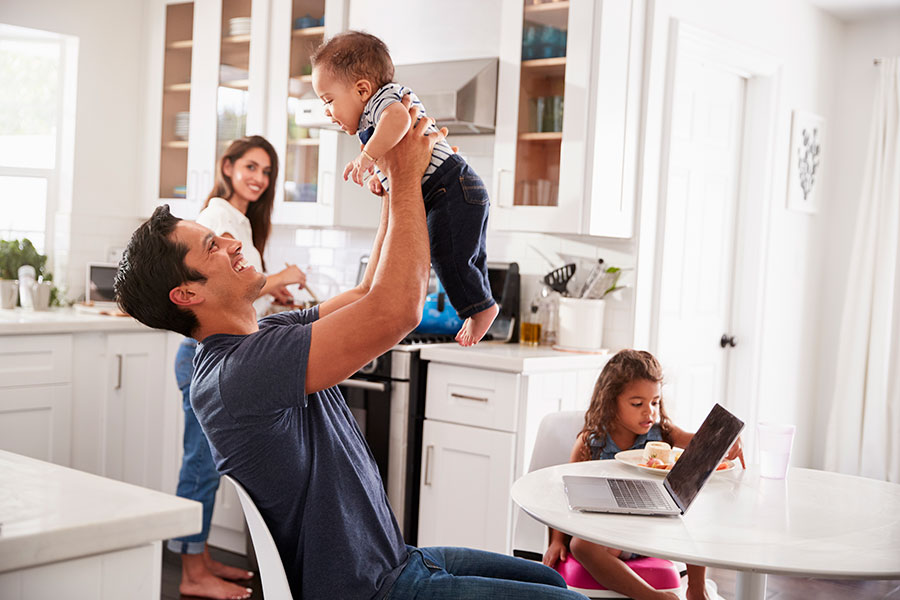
370, 368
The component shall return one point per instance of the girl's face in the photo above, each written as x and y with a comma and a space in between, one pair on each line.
638, 406
344, 102
249, 174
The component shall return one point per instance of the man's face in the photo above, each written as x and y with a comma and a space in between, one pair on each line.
344, 101
230, 279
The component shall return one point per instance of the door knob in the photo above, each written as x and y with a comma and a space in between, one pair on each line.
727, 341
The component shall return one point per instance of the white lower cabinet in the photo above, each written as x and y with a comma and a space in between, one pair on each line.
466, 476
479, 432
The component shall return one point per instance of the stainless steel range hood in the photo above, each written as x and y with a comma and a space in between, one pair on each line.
459, 95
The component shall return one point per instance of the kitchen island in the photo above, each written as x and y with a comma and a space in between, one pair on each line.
65, 533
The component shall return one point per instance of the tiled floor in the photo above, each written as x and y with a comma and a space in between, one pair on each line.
779, 588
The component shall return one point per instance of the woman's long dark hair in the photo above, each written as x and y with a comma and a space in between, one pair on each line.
623, 368
259, 213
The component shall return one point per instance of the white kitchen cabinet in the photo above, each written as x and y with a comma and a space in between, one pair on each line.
479, 432
466, 476
36, 396
573, 174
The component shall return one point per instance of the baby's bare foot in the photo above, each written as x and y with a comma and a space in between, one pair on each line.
210, 586
476, 326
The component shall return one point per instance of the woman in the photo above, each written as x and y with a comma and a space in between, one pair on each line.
239, 206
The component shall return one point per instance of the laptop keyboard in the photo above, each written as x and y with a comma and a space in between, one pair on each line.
630, 493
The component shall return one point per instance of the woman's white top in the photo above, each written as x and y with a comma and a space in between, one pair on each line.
221, 217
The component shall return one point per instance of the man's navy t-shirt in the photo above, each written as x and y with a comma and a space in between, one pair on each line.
301, 458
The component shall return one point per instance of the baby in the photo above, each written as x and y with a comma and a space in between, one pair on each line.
352, 74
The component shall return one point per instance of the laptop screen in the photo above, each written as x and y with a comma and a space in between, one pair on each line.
704, 453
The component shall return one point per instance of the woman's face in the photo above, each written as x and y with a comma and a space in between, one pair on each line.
249, 174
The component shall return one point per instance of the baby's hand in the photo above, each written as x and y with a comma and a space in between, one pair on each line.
375, 186
357, 167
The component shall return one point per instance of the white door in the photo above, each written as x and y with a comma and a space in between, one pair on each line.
466, 476
696, 269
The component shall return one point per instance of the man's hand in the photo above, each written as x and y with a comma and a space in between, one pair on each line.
358, 167
412, 155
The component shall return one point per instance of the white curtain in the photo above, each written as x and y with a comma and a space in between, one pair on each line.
864, 424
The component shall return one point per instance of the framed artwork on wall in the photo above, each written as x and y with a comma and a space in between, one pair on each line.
804, 173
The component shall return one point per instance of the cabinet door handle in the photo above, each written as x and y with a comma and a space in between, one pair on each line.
464, 397
118, 372
428, 452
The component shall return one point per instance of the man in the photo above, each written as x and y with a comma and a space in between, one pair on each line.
264, 394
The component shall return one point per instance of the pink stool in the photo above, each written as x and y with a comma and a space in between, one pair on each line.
659, 573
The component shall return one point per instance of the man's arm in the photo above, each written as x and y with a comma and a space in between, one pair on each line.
392, 126
349, 337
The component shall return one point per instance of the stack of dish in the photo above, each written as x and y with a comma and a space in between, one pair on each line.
182, 124
238, 26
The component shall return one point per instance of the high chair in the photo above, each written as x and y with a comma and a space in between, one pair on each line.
271, 569
553, 445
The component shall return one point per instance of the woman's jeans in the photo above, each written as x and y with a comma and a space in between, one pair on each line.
458, 573
198, 479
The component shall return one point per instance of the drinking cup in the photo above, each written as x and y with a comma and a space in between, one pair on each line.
40, 295
775, 442
9, 293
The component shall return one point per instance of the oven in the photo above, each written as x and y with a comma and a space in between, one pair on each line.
387, 398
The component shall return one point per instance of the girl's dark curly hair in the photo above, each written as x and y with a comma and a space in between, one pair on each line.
623, 368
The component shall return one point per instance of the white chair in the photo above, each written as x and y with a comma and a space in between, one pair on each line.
271, 569
553, 446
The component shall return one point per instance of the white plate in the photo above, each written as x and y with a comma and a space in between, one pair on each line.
635, 457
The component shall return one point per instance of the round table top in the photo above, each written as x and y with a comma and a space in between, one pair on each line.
813, 523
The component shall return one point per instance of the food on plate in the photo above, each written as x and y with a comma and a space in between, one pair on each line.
659, 451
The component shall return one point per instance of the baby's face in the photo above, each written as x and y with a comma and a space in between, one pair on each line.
344, 101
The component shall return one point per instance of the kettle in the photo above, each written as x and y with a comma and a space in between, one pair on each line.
439, 316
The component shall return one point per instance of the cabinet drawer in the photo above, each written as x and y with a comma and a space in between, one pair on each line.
35, 359
476, 397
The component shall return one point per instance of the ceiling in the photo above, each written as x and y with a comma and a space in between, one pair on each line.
858, 10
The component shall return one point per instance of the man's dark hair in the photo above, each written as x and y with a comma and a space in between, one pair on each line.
355, 55
151, 266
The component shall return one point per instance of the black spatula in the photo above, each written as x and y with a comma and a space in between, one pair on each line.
559, 278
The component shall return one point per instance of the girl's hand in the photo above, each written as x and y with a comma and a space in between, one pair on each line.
737, 451
357, 167
375, 186
555, 552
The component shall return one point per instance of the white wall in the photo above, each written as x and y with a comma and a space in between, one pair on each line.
857, 79
107, 128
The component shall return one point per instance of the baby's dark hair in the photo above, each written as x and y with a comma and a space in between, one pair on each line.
622, 369
355, 55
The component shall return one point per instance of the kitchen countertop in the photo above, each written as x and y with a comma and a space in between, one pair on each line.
50, 513
516, 358
18, 321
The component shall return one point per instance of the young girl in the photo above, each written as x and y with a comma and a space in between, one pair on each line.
352, 73
626, 412
239, 206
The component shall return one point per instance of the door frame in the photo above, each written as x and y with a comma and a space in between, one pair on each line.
763, 75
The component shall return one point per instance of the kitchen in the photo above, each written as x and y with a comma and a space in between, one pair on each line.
111, 154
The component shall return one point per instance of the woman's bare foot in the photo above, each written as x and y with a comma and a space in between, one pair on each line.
198, 580
224, 571
474, 328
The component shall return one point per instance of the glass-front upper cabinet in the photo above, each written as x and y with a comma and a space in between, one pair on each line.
211, 55
565, 74
176, 98
299, 129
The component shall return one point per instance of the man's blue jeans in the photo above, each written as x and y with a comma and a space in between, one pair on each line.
458, 573
198, 479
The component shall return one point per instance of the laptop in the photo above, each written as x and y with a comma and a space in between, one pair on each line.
676, 492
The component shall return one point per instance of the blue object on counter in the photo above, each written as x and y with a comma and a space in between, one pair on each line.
307, 21
439, 316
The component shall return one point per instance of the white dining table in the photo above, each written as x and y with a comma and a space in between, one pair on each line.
810, 524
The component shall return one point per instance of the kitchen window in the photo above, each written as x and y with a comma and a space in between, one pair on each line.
37, 112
